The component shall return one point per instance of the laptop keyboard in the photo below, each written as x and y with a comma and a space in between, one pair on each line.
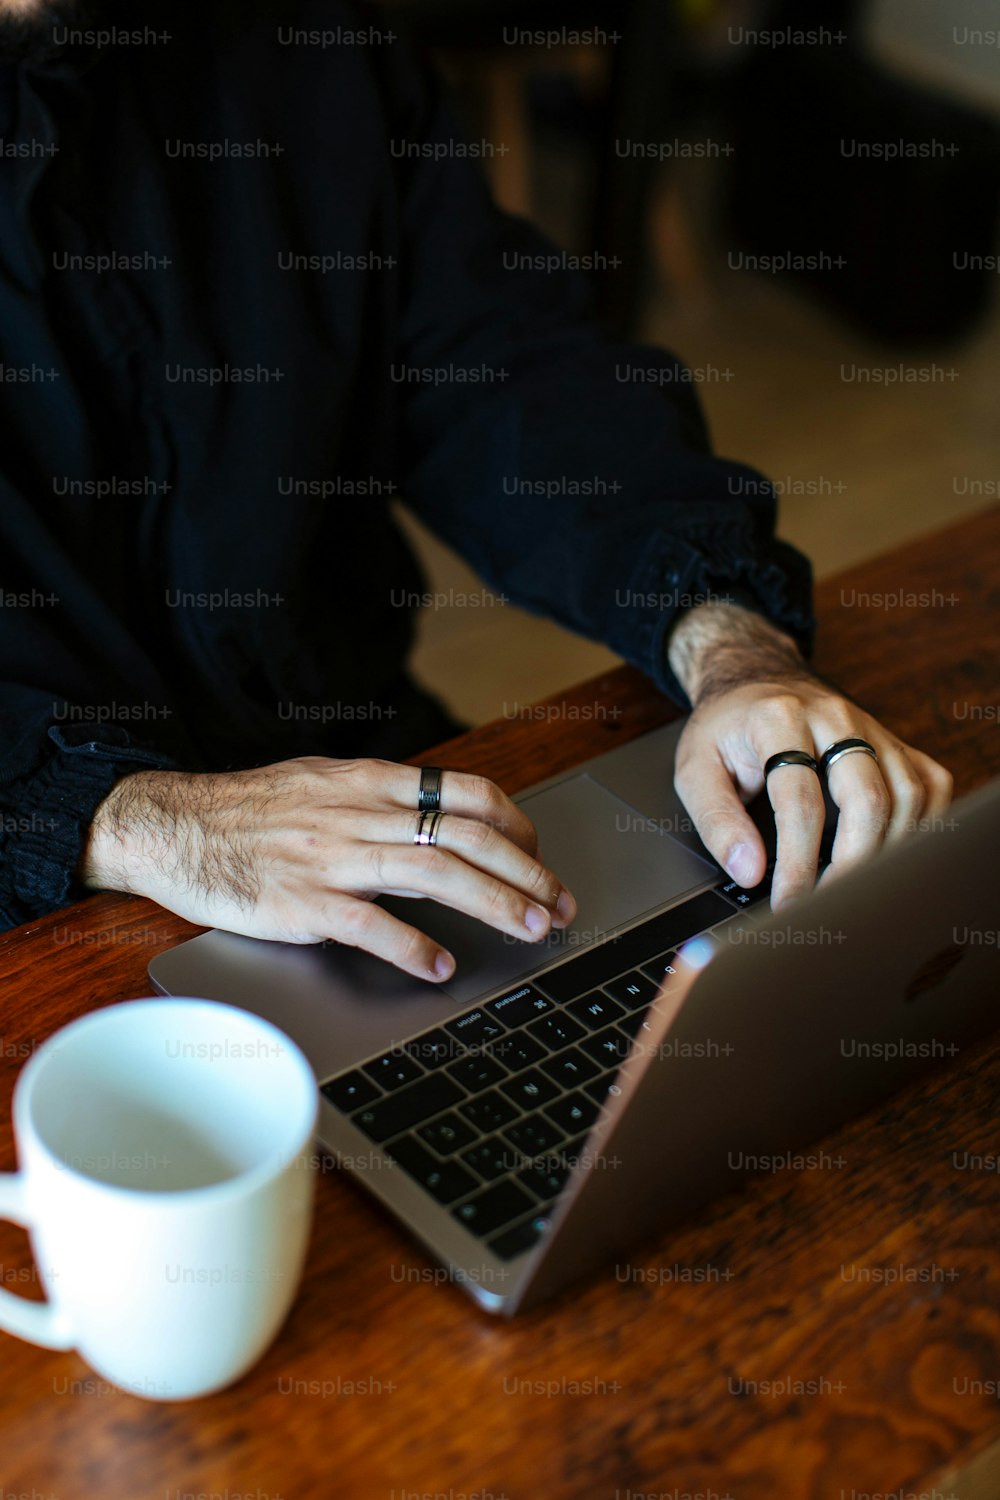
488, 1112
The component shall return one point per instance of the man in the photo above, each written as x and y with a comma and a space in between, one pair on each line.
250, 284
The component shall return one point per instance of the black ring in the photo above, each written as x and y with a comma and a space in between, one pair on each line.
789, 758
429, 798
846, 747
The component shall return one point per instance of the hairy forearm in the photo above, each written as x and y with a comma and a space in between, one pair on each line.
132, 825
147, 823
714, 648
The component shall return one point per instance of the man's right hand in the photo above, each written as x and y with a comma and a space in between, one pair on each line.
296, 852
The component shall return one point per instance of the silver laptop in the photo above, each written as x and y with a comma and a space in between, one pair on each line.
555, 1103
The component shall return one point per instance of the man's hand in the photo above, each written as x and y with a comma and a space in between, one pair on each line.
297, 851
752, 696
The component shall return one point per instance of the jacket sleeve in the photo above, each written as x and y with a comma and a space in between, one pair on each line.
573, 473
56, 767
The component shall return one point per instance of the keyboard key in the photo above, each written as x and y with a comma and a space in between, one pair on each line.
573, 1150
744, 897
493, 1207
477, 1027
350, 1091
596, 1009
444, 1180
534, 1134
608, 1046
488, 1111
530, 1089
574, 1112
570, 1068
633, 989
402, 1110
556, 1031
477, 1071
546, 1177
519, 1005
605, 1087
632, 1024
393, 1070
658, 969
520, 1238
491, 1159
517, 1050
667, 930
446, 1134
434, 1048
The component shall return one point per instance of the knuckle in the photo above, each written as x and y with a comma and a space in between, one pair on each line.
874, 800
713, 823
542, 884
498, 899
912, 793
476, 835
943, 780
780, 707
414, 949
434, 862
358, 924
870, 809
800, 794
484, 791
375, 860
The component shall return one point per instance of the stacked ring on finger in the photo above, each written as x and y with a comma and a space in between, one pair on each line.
429, 796
851, 746
428, 823
789, 758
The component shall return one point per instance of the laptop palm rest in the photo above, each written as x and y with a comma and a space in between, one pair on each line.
341, 1005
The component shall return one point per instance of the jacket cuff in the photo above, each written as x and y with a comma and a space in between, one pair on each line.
58, 805
676, 575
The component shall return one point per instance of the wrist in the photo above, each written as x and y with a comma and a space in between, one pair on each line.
715, 647
131, 832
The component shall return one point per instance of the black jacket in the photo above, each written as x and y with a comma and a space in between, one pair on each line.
252, 285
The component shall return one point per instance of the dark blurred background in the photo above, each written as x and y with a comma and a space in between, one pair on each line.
802, 201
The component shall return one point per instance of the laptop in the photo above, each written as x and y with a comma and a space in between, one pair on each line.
555, 1103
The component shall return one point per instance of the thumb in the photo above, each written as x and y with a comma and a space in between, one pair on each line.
722, 822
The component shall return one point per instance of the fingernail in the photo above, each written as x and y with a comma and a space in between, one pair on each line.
566, 906
444, 964
535, 919
740, 863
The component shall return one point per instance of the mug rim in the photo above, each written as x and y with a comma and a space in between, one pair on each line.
264, 1171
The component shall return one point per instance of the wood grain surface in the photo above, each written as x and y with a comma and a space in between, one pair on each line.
761, 1352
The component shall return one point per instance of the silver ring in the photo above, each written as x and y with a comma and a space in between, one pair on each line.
839, 748
427, 826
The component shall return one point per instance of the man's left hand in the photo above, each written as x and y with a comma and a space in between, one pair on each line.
753, 696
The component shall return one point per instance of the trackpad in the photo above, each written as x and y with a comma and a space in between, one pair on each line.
617, 863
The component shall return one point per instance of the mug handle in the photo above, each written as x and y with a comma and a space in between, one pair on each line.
38, 1322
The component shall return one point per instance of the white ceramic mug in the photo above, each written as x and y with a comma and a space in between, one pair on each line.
166, 1180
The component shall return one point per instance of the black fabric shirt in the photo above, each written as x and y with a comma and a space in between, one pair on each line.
250, 288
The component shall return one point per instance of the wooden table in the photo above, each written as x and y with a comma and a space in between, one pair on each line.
383, 1384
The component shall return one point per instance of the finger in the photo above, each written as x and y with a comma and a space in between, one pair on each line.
724, 826
472, 797
906, 788
362, 924
433, 871
865, 806
484, 848
796, 796
939, 784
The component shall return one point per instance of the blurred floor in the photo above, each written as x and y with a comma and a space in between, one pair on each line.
860, 467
